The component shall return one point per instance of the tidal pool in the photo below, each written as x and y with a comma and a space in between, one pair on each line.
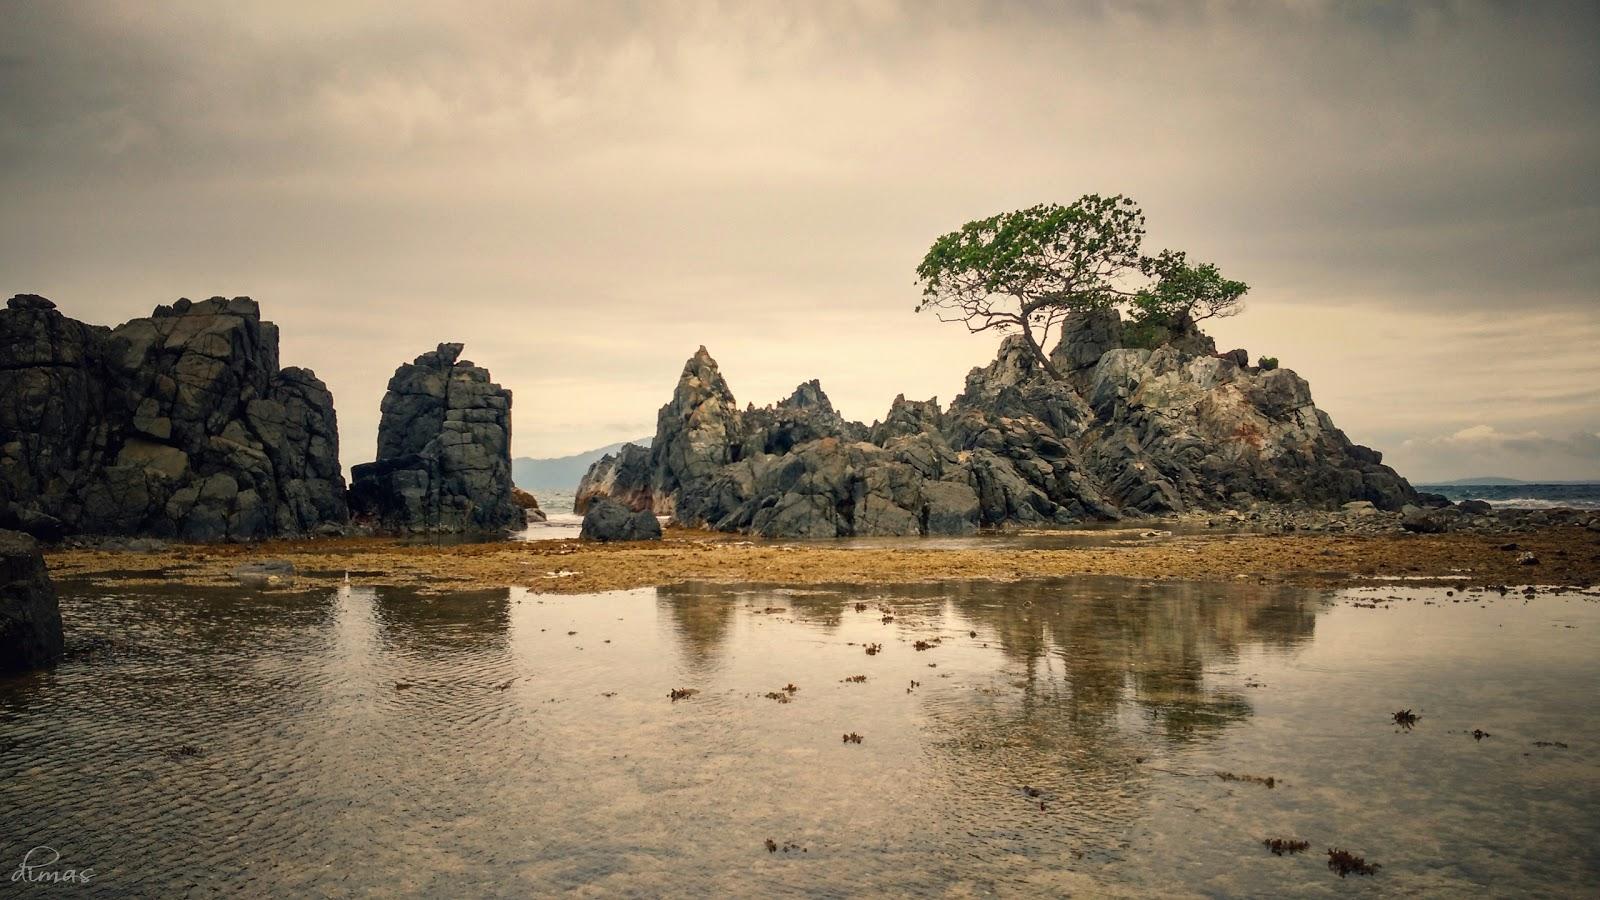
1054, 737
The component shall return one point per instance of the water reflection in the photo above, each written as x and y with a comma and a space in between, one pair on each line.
425, 623
1034, 737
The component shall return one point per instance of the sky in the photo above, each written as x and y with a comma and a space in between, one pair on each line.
583, 193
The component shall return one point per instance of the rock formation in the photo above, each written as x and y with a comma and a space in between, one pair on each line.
608, 520
623, 476
1125, 432
444, 452
529, 504
176, 425
30, 619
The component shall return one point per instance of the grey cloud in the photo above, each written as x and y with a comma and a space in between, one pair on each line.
584, 192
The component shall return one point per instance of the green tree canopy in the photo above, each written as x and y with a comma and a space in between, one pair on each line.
1184, 295
1028, 270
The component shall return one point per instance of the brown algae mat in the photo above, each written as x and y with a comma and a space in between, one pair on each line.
1566, 556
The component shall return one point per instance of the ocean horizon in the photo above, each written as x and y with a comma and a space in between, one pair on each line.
1532, 495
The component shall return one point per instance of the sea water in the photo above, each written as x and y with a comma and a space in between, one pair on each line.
1038, 737
1581, 495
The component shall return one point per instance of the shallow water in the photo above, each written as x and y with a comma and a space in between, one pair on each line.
379, 742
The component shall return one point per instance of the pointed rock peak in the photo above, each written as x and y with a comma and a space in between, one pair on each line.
809, 396
1014, 364
701, 376
699, 364
901, 403
446, 354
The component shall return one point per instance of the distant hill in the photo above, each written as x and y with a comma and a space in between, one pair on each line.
561, 473
1500, 481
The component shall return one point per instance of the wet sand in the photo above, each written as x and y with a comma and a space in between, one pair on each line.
1567, 556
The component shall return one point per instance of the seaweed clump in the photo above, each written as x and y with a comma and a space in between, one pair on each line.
1269, 781
1344, 862
1280, 846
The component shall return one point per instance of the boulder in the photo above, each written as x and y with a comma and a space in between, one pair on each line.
529, 504
1475, 507
180, 424
444, 452
264, 572
1422, 521
30, 618
608, 520
1360, 508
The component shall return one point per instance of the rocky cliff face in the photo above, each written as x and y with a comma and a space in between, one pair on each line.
176, 425
444, 451
1126, 432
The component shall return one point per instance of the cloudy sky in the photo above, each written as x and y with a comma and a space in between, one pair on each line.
585, 192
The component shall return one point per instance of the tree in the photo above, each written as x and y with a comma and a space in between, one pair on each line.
1029, 269
1183, 295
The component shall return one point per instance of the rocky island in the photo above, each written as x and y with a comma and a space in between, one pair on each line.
1128, 433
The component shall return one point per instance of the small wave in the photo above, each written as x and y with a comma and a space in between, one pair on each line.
1541, 503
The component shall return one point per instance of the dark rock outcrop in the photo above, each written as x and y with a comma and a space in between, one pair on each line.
179, 425
30, 619
529, 504
697, 433
1124, 432
623, 476
444, 452
608, 520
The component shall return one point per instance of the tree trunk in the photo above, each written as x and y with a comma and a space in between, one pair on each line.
1038, 352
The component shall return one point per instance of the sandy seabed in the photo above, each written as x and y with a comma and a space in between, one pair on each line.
1566, 556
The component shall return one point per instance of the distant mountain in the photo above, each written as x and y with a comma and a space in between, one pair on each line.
561, 473
1498, 481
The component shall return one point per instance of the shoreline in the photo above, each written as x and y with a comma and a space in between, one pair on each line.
1567, 556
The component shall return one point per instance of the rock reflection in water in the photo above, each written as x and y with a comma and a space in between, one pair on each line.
1049, 737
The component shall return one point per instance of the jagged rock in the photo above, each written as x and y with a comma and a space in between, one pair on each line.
181, 425
697, 433
444, 451
529, 504
624, 476
1085, 337
1124, 432
608, 520
30, 618
807, 415
908, 417
1200, 429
